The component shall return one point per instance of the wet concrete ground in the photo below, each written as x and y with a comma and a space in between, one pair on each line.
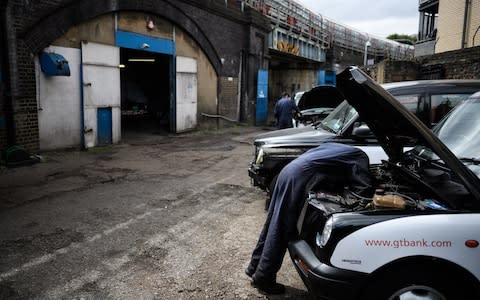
155, 217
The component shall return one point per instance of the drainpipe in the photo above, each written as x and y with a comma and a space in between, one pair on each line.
465, 20
82, 105
10, 43
239, 85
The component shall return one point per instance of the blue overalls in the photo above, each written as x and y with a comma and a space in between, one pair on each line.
284, 109
341, 164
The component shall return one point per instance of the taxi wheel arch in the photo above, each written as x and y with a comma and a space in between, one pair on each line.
450, 279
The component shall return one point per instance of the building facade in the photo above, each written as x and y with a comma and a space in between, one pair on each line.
447, 25
86, 73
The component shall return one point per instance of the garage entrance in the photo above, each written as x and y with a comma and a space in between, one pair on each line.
145, 92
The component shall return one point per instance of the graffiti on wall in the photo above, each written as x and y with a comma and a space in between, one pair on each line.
287, 47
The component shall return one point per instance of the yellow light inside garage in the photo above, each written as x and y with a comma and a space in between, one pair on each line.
141, 59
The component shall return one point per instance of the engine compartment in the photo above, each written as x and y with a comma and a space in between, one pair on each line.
408, 188
393, 187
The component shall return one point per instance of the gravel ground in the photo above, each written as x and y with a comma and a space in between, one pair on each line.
155, 217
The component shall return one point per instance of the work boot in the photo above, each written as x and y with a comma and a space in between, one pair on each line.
268, 286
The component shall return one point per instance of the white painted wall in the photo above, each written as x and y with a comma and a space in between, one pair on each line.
186, 88
101, 88
58, 99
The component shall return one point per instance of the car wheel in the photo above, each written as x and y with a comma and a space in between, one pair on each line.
270, 192
430, 283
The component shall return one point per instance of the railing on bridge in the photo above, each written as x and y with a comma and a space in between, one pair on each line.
299, 31
349, 38
295, 29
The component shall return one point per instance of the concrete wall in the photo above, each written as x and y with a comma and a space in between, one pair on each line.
340, 58
137, 22
393, 71
207, 78
99, 30
59, 110
289, 81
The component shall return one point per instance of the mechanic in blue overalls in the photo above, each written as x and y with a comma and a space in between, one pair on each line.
284, 111
325, 166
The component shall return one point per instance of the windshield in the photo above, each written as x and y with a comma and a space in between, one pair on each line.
341, 116
459, 131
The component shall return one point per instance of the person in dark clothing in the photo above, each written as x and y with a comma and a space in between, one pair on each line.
330, 163
284, 110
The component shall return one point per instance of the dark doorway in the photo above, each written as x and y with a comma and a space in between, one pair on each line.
145, 92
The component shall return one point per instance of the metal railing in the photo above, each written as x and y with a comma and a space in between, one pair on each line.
294, 26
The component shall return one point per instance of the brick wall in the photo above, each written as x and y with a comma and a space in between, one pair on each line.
26, 124
228, 97
459, 64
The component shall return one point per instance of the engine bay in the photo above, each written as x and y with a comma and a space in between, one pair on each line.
413, 185
408, 188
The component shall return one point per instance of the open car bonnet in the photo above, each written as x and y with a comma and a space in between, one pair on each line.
394, 126
323, 96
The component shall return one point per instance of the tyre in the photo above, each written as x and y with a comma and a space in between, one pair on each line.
427, 283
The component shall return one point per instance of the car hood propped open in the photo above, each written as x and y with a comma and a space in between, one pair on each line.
323, 96
394, 126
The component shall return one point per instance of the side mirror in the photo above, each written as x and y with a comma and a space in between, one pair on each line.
361, 130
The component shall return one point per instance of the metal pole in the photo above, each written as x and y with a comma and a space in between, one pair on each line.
367, 44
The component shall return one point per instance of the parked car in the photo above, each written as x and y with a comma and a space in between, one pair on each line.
316, 104
430, 100
459, 132
273, 150
417, 236
297, 96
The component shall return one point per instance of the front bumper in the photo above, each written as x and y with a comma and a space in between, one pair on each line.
322, 280
258, 179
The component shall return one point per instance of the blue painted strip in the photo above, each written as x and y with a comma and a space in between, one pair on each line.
262, 97
143, 42
173, 97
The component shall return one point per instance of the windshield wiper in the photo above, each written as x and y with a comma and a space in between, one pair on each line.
471, 160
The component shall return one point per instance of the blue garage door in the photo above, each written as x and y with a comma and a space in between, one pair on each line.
104, 125
262, 97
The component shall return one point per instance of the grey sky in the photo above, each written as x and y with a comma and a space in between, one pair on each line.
378, 17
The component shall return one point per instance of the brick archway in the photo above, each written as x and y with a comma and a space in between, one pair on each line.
43, 32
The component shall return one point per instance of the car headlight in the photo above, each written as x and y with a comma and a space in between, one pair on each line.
322, 239
259, 159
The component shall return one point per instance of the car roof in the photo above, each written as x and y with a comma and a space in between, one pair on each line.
474, 83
